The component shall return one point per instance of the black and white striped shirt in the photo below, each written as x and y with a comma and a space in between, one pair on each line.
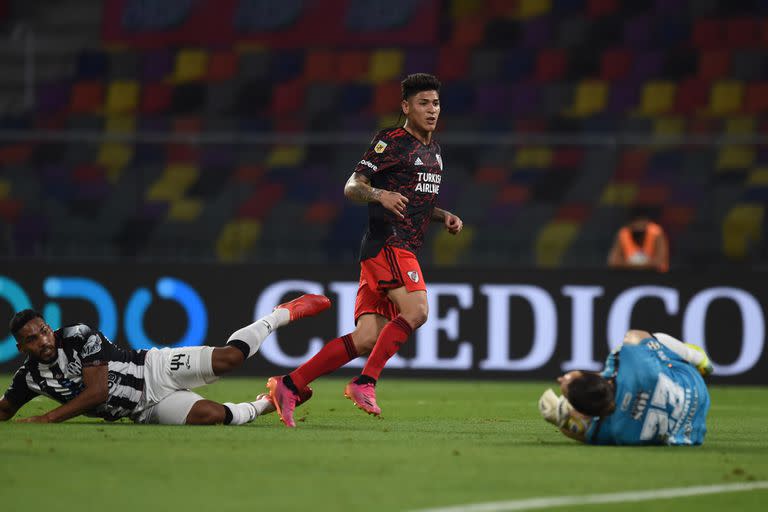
62, 380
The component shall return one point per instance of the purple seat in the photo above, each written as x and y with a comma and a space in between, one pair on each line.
624, 96
637, 32
537, 33
524, 99
420, 61
647, 65
52, 97
157, 65
492, 98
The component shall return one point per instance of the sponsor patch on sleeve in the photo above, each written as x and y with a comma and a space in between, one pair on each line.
380, 146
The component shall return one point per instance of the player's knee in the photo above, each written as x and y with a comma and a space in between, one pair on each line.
205, 412
417, 315
364, 340
226, 359
635, 336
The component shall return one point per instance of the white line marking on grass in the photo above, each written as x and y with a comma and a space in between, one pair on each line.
590, 499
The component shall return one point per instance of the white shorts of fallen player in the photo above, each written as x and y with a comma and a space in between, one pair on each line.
169, 374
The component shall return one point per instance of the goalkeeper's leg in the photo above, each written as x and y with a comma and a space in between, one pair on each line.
693, 354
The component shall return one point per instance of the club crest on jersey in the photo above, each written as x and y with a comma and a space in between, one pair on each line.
380, 146
91, 346
439, 161
413, 275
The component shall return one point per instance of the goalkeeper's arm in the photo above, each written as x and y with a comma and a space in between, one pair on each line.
558, 411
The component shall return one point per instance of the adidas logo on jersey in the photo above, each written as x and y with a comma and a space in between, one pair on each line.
418, 161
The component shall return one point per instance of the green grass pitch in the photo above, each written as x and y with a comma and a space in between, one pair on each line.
439, 443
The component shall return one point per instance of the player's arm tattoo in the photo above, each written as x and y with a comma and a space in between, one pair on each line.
358, 188
439, 215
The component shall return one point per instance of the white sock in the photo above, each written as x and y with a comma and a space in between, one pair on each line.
255, 334
241, 413
692, 356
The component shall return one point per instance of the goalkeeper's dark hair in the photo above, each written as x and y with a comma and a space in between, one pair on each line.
592, 394
20, 319
418, 82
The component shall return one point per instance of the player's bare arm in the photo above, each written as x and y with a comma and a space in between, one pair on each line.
358, 188
452, 222
95, 393
7, 409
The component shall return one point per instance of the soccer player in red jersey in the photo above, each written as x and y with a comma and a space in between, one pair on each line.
399, 178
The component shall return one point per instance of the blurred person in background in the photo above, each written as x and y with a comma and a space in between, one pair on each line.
651, 392
82, 370
641, 244
399, 178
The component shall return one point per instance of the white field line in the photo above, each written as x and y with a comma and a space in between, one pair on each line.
591, 499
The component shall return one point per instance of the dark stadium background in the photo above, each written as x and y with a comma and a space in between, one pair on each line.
210, 141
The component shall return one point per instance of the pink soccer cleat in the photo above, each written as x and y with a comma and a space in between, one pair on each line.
363, 396
306, 305
284, 399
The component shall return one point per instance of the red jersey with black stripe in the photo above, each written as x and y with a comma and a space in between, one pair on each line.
397, 161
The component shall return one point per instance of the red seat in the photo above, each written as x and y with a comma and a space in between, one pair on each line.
288, 97
155, 98
386, 98
352, 66
597, 8
222, 65
756, 98
742, 33
453, 63
708, 33
615, 64
87, 97
692, 94
550, 65
320, 66
714, 64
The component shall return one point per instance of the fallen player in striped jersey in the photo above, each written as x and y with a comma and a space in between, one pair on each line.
82, 370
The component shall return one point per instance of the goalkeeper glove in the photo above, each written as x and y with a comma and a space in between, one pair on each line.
705, 365
555, 409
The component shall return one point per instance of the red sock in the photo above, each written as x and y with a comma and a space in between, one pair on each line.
390, 338
335, 354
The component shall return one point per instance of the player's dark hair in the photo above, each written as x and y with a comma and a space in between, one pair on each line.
418, 82
591, 394
20, 319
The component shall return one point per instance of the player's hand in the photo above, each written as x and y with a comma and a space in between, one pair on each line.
555, 409
394, 202
34, 419
453, 223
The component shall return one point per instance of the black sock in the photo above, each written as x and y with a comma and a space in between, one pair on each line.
288, 381
364, 379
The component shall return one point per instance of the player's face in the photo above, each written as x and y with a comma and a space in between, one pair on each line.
36, 340
565, 381
422, 110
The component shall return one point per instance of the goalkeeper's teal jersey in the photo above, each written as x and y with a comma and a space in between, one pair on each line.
660, 399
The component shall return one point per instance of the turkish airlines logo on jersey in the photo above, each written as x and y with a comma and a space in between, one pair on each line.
428, 182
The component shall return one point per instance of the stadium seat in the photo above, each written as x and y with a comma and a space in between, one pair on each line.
288, 97
236, 239
714, 64
726, 98
92, 65
320, 66
736, 157
157, 65
590, 98
657, 98
553, 241
386, 98
385, 65
222, 65
352, 65
155, 98
550, 65
527, 9
619, 194
756, 98
615, 64
742, 229
449, 249
191, 65
87, 97
122, 97
452, 64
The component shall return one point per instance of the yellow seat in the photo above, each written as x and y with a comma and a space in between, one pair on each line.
740, 126
185, 210
385, 65
590, 98
173, 183
537, 157
448, 248
191, 65
658, 98
726, 97
236, 239
758, 177
114, 156
463, 8
286, 156
122, 97
5, 189
668, 126
121, 124
553, 241
736, 157
742, 228
619, 194
532, 8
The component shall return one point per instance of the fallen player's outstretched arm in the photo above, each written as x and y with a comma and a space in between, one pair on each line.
558, 411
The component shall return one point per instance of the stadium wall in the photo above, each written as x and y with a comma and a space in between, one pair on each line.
484, 323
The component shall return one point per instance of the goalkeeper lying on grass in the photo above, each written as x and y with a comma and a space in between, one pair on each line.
650, 392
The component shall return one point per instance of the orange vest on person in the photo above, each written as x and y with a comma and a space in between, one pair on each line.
628, 246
